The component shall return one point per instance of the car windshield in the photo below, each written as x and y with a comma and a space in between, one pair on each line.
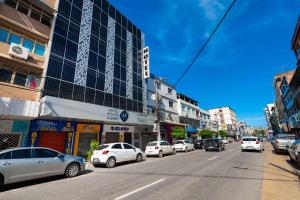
151, 144
249, 139
178, 142
103, 146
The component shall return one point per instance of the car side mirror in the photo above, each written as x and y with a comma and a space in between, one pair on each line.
60, 155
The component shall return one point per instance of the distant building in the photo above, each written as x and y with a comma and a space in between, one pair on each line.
207, 122
226, 118
189, 113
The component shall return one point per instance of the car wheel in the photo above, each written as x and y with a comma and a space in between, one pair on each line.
72, 170
139, 157
1, 180
206, 149
96, 165
111, 162
160, 154
291, 159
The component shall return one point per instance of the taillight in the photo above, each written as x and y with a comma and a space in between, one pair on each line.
257, 142
105, 152
242, 142
276, 141
156, 147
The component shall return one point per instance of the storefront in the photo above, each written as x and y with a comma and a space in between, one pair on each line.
85, 133
166, 131
54, 134
118, 133
13, 133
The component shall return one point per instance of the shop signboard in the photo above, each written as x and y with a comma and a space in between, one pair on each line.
146, 64
107, 128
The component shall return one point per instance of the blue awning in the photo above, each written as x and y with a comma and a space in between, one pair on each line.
191, 130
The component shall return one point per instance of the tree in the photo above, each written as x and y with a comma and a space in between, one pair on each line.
178, 133
223, 134
206, 134
94, 145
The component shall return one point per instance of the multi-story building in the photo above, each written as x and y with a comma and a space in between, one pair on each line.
281, 87
206, 122
271, 117
226, 118
164, 107
25, 30
93, 79
189, 114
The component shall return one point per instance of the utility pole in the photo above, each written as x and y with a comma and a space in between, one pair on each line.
157, 106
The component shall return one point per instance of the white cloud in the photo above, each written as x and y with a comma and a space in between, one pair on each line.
212, 9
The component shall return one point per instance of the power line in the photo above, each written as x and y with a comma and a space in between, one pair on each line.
204, 45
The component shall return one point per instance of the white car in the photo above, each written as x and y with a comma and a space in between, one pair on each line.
113, 153
184, 145
225, 141
159, 148
251, 143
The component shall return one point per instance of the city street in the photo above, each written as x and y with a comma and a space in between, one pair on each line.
230, 174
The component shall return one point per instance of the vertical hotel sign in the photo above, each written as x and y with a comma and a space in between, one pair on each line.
146, 62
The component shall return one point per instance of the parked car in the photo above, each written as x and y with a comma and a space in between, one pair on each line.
159, 148
198, 144
184, 145
294, 152
282, 142
21, 164
113, 153
214, 144
251, 143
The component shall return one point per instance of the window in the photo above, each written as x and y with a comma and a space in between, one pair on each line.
3, 35
14, 39
170, 90
127, 146
5, 156
11, 3
171, 104
5, 75
158, 85
46, 20
21, 154
117, 146
28, 44
23, 8
20, 79
35, 14
39, 49
44, 153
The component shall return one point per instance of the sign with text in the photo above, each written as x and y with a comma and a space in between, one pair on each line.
146, 63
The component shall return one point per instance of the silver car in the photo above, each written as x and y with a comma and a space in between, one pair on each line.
21, 164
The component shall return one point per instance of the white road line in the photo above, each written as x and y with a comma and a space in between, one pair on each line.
213, 158
230, 150
139, 189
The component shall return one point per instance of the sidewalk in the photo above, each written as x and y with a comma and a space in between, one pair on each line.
281, 179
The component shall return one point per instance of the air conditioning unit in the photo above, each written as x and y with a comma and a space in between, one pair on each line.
18, 51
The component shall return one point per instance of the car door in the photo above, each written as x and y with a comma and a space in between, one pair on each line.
21, 167
168, 147
5, 162
118, 152
48, 162
130, 151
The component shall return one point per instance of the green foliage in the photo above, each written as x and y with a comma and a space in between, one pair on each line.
93, 146
178, 133
223, 134
206, 134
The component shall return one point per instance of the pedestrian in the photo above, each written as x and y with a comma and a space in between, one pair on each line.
5, 144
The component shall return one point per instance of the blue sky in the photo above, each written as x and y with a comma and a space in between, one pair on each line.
237, 67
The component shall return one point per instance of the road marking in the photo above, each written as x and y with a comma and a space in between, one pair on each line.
139, 189
230, 150
213, 158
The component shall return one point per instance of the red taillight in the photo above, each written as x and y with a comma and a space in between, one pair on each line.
276, 141
105, 152
257, 142
156, 147
242, 142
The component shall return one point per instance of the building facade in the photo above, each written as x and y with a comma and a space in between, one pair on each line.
165, 107
93, 79
227, 120
25, 29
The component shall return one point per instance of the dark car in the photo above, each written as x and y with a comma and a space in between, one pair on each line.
198, 144
214, 144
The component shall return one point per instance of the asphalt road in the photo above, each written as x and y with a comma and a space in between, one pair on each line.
230, 174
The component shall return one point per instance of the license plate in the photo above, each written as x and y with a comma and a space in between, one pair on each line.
210, 147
